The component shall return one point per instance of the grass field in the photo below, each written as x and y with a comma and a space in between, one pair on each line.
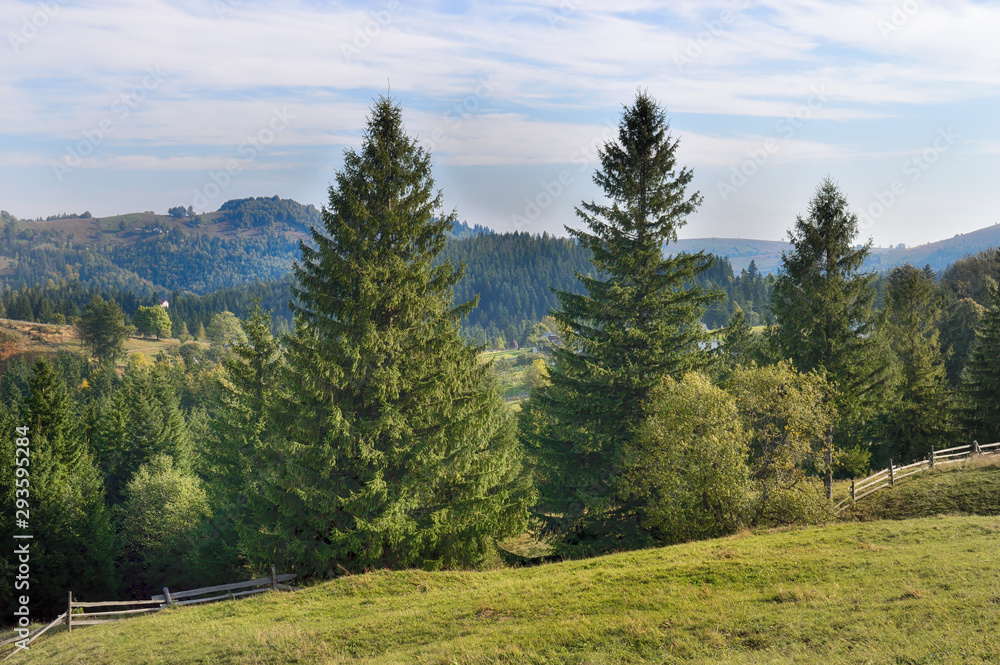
916, 591
33, 339
966, 488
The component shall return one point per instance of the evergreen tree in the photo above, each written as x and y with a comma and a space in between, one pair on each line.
636, 324
102, 327
737, 340
982, 383
73, 541
239, 434
825, 321
922, 416
397, 450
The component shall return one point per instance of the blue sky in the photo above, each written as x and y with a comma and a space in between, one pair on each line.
114, 106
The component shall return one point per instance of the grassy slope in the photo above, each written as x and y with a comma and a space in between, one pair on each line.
918, 591
968, 488
33, 339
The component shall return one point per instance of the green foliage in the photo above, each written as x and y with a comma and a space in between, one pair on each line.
102, 328
391, 447
982, 386
922, 416
239, 437
824, 313
161, 529
629, 330
687, 469
224, 329
268, 212
135, 421
152, 321
786, 415
72, 545
965, 287
514, 275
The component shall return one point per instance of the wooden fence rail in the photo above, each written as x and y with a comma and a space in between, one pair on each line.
169, 598
891, 475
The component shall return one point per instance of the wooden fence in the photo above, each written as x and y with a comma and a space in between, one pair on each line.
891, 475
169, 599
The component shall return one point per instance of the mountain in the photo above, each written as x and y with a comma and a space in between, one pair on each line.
767, 253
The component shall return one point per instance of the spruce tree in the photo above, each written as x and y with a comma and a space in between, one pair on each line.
239, 430
982, 376
922, 417
823, 308
396, 449
636, 323
73, 540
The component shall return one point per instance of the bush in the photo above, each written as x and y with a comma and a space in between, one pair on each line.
688, 465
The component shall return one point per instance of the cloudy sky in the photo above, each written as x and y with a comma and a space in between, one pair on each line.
117, 106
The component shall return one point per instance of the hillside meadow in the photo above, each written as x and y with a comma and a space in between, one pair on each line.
914, 591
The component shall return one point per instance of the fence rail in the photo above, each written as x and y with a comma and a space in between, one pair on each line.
274, 582
891, 475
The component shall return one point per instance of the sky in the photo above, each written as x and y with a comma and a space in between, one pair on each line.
117, 106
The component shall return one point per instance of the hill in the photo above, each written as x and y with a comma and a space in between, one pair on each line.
916, 591
969, 488
767, 253
740, 251
939, 254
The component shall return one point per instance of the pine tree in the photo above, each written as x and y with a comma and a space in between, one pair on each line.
73, 548
239, 430
102, 327
737, 340
636, 324
825, 320
922, 416
397, 450
982, 371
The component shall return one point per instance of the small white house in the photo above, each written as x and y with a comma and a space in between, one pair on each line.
164, 304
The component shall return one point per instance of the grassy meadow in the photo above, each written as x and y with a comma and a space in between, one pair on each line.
914, 591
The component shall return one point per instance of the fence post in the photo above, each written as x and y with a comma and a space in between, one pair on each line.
828, 457
853, 494
932, 457
975, 447
166, 597
69, 614
274, 579
892, 475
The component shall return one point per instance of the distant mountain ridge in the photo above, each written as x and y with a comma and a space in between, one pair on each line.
767, 253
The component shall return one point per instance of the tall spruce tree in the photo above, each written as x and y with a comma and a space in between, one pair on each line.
825, 321
72, 546
636, 324
922, 417
981, 387
397, 449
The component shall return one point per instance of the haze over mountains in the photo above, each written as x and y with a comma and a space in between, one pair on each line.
289, 220
767, 253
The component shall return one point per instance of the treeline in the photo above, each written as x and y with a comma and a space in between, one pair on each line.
263, 212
